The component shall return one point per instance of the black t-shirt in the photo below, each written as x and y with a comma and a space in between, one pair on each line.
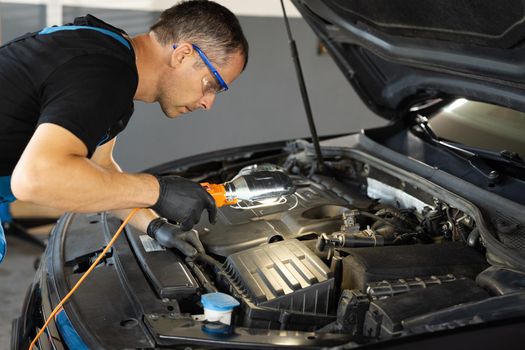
82, 80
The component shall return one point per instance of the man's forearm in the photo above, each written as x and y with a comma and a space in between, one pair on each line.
74, 183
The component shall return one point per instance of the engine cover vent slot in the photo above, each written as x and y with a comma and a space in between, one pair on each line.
284, 275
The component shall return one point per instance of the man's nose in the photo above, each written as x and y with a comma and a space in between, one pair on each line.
207, 101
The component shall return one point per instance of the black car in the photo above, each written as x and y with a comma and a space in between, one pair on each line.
407, 236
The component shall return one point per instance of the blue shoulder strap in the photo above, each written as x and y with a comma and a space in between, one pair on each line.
6, 196
118, 37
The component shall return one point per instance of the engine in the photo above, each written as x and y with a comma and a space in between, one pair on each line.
291, 263
363, 252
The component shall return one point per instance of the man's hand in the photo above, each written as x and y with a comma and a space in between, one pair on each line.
172, 236
183, 201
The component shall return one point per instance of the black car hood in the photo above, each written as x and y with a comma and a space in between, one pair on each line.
397, 53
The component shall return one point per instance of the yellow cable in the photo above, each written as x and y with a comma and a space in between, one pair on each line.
75, 287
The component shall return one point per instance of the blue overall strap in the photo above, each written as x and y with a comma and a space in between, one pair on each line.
118, 37
6, 196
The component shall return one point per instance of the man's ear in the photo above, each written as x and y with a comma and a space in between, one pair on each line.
180, 53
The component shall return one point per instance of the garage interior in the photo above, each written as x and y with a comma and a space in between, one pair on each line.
263, 105
289, 214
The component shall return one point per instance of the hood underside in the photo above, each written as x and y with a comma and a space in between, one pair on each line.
398, 53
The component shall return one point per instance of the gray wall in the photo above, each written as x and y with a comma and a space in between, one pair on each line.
263, 105
19, 19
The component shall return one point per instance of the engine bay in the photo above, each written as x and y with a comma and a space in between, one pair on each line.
360, 252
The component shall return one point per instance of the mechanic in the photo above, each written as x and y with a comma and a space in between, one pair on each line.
67, 91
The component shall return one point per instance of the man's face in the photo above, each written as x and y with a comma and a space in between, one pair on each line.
186, 88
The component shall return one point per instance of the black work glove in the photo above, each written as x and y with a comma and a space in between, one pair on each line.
172, 236
183, 201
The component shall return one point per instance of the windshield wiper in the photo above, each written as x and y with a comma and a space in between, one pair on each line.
475, 157
513, 158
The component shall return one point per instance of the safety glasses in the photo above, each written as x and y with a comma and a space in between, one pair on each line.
214, 87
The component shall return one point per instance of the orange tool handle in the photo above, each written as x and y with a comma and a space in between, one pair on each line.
218, 192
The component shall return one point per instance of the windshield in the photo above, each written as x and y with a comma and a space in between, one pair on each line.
481, 125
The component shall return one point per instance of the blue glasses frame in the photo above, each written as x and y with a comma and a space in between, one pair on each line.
222, 83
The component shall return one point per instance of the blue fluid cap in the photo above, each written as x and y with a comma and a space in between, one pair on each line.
219, 302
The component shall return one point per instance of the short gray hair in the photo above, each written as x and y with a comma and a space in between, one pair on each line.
210, 26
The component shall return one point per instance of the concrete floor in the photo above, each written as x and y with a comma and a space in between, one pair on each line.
17, 269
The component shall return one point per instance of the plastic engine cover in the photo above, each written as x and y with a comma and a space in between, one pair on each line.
284, 275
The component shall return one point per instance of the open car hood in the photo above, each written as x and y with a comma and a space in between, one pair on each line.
398, 53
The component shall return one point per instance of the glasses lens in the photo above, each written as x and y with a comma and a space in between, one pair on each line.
221, 84
210, 86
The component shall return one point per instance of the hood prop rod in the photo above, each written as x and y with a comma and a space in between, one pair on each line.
304, 93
